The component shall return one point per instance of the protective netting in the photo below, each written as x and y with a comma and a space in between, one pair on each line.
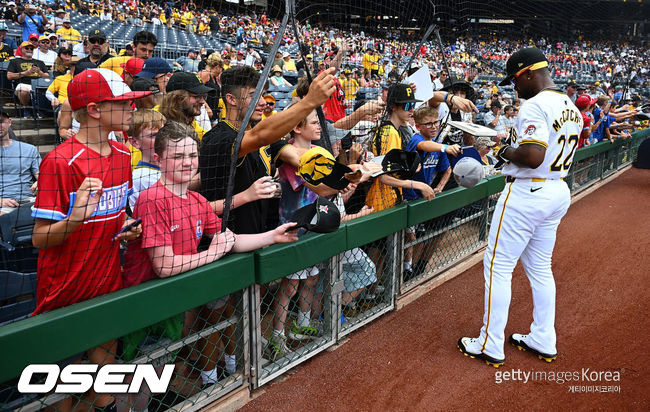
193, 131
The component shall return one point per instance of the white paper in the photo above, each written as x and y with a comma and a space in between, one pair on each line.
423, 85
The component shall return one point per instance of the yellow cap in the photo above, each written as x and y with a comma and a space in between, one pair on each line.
316, 164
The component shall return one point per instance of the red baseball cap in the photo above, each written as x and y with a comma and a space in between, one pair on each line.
133, 65
584, 100
33, 36
99, 85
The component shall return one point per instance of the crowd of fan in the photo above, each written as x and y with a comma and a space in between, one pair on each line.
144, 119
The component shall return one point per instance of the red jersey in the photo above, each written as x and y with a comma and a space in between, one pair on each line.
584, 135
87, 263
167, 220
334, 108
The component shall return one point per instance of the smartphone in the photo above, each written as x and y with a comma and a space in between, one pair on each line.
128, 227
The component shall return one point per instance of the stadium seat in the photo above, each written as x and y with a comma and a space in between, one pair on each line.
17, 295
16, 250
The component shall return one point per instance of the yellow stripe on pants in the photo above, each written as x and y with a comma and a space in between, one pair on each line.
494, 252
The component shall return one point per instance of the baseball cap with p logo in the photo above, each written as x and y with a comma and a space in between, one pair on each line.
322, 216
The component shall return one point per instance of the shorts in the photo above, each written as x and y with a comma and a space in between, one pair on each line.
153, 337
305, 273
358, 271
22, 87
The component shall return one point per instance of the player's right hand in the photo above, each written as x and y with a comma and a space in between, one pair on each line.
222, 243
88, 195
321, 88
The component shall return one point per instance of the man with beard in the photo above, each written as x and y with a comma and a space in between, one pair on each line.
185, 96
97, 48
25, 69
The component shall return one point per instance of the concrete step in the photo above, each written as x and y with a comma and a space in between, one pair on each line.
29, 123
40, 137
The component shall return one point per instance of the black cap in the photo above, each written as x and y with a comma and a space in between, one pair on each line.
322, 216
456, 82
143, 84
572, 84
64, 50
188, 81
96, 34
520, 60
399, 93
399, 163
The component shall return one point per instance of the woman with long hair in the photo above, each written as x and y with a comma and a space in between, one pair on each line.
60, 66
211, 77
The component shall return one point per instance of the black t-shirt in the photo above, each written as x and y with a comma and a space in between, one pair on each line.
214, 23
101, 60
214, 166
19, 65
6, 52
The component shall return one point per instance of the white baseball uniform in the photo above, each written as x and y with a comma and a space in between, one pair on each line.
526, 218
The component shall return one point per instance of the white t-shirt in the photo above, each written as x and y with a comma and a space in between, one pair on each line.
47, 58
144, 176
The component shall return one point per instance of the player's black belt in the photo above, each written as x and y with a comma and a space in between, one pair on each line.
510, 179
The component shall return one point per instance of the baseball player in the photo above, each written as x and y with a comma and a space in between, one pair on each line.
529, 210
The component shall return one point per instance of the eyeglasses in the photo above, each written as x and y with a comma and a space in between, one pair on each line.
429, 125
97, 41
409, 106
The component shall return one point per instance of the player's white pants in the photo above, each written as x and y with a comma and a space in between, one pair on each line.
524, 226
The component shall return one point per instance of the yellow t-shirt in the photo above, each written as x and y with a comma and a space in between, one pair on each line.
290, 66
350, 86
365, 61
71, 35
60, 85
381, 196
374, 59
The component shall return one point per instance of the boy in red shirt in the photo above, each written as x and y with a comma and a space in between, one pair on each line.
83, 188
174, 220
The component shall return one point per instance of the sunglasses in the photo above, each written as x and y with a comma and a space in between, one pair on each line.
270, 104
409, 106
97, 41
45, 41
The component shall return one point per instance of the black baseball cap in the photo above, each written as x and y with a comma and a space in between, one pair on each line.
572, 84
456, 82
322, 216
528, 58
96, 34
399, 163
188, 81
399, 93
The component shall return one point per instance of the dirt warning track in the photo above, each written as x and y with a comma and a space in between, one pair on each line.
408, 360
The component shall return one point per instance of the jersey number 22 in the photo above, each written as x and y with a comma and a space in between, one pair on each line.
558, 164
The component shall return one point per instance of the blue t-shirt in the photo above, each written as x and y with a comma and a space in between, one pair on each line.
599, 133
30, 26
19, 163
432, 164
